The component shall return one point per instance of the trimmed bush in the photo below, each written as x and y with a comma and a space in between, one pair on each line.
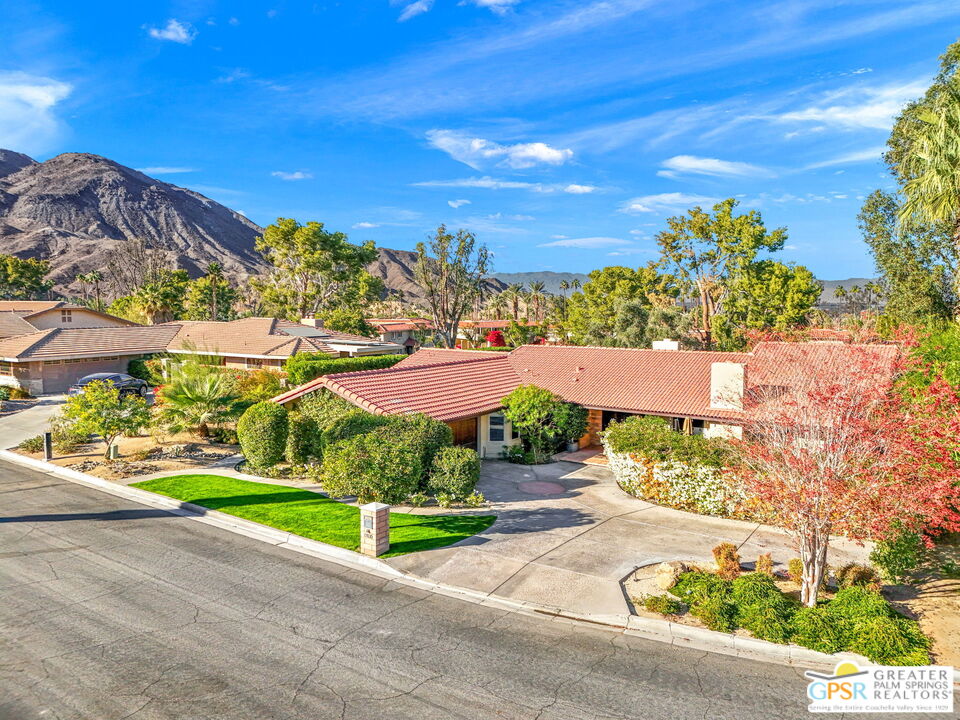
654, 438
728, 560
693, 587
765, 564
304, 367
817, 629
859, 603
795, 570
4, 393
349, 425
262, 431
303, 440
32, 444
761, 608
898, 556
373, 466
455, 471
853, 574
716, 613
663, 604
429, 435
147, 368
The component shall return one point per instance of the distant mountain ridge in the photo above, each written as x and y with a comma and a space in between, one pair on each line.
550, 279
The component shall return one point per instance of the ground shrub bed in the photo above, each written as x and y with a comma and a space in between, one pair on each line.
313, 515
304, 367
857, 619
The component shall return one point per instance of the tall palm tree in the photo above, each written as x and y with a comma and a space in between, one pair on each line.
215, 273
82, 279
95, 277
514, 293
564, 286
156, 303
932, 167
537, 295
497, 305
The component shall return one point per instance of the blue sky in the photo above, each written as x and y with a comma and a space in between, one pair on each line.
561, 132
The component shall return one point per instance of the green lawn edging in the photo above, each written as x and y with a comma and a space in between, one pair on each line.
312, 515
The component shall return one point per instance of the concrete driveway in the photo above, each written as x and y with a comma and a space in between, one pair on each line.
566, 535
17, 427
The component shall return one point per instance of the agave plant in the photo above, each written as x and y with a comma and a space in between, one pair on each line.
196, 398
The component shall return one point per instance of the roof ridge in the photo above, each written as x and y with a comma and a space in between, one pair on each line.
408, 368
632, 349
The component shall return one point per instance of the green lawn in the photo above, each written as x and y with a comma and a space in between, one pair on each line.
314, 516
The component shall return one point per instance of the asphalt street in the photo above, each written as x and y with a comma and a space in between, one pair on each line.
110, 610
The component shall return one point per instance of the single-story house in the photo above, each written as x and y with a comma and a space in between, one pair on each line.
700, 392
260, 342
45, 346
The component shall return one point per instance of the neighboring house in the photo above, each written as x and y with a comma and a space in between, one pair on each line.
402, 331
473, 333
45, 346
259, 342
698, 391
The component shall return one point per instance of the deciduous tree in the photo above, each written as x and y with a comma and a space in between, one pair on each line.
100, 410
23, 279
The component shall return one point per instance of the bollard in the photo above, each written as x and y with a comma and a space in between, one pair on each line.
48, 446
113, 452
374, 529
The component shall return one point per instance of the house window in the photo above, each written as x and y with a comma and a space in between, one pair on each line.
254, 363
496, 428
66, 316
52, 362
6, 368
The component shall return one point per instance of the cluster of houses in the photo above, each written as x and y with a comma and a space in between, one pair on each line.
46, 346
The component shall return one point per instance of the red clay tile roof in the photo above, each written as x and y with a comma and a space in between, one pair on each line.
87, 342
431, 356
660, 382
397, 324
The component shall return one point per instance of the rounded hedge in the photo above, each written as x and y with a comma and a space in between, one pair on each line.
373, 466
303, 439
262, 431
455, 471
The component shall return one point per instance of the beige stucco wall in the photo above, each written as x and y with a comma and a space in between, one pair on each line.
491, 448
79, 319
717, 430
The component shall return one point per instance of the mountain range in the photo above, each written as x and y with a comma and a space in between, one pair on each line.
76, 208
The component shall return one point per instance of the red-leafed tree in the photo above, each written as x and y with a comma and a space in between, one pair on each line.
832, 446
495, 338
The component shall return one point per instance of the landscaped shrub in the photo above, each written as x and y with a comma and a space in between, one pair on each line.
856, 574
716, 613
898, 556
253, 386
541, 419
693, 587
426, 433
372, 466
65, 436
765, 564
891, 641
662, 604
4, 394
859, 603
32, 444
817, 629
795, 570
147, 368
475, 499
455, 471
262, 431
571, 421
303, 440
349, 425
653, 438
304, 367
728, 560
761, 608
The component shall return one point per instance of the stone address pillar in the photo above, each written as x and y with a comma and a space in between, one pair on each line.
374, 529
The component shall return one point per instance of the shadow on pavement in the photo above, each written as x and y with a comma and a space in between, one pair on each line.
112, 515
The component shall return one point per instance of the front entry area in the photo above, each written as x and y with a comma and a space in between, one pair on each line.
465, 432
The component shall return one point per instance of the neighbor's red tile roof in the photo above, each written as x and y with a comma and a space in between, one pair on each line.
58, 343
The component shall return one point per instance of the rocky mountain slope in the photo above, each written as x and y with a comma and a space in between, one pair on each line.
74, 208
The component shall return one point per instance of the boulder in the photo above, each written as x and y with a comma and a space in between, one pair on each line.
667, 573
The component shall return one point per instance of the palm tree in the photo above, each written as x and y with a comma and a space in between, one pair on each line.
514, 294
537, 296
564, 286
215, 273
95, 277
932, 167
196, 398
155, 302
82, 279
497, 305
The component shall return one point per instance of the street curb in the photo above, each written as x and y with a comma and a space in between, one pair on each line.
663, 631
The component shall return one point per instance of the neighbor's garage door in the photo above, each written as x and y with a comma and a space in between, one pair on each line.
58, 375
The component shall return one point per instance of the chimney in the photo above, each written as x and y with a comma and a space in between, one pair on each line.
312, 322
727, 380
666, 344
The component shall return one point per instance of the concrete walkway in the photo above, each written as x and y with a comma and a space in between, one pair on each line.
17, 427
566, 535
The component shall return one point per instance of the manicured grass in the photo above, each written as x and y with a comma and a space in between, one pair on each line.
311, 515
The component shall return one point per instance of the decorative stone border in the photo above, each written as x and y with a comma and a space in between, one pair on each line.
648, 628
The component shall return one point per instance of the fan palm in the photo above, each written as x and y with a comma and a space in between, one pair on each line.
196, 398
932, 167
537, 296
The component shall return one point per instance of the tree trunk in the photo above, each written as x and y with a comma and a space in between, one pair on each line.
705, 314
813, 554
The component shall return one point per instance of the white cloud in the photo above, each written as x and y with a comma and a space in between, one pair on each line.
233, 76
858, 106
297, 175
27, 119
559, 237
665, 202
365, 225
630, 251
477, 152
489, 183
586, 242
869, 155
166, 170
691, 164
498, 6
415, 8
457, 203
175, 31
575, 189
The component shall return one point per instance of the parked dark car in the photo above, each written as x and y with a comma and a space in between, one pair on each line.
126, 384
